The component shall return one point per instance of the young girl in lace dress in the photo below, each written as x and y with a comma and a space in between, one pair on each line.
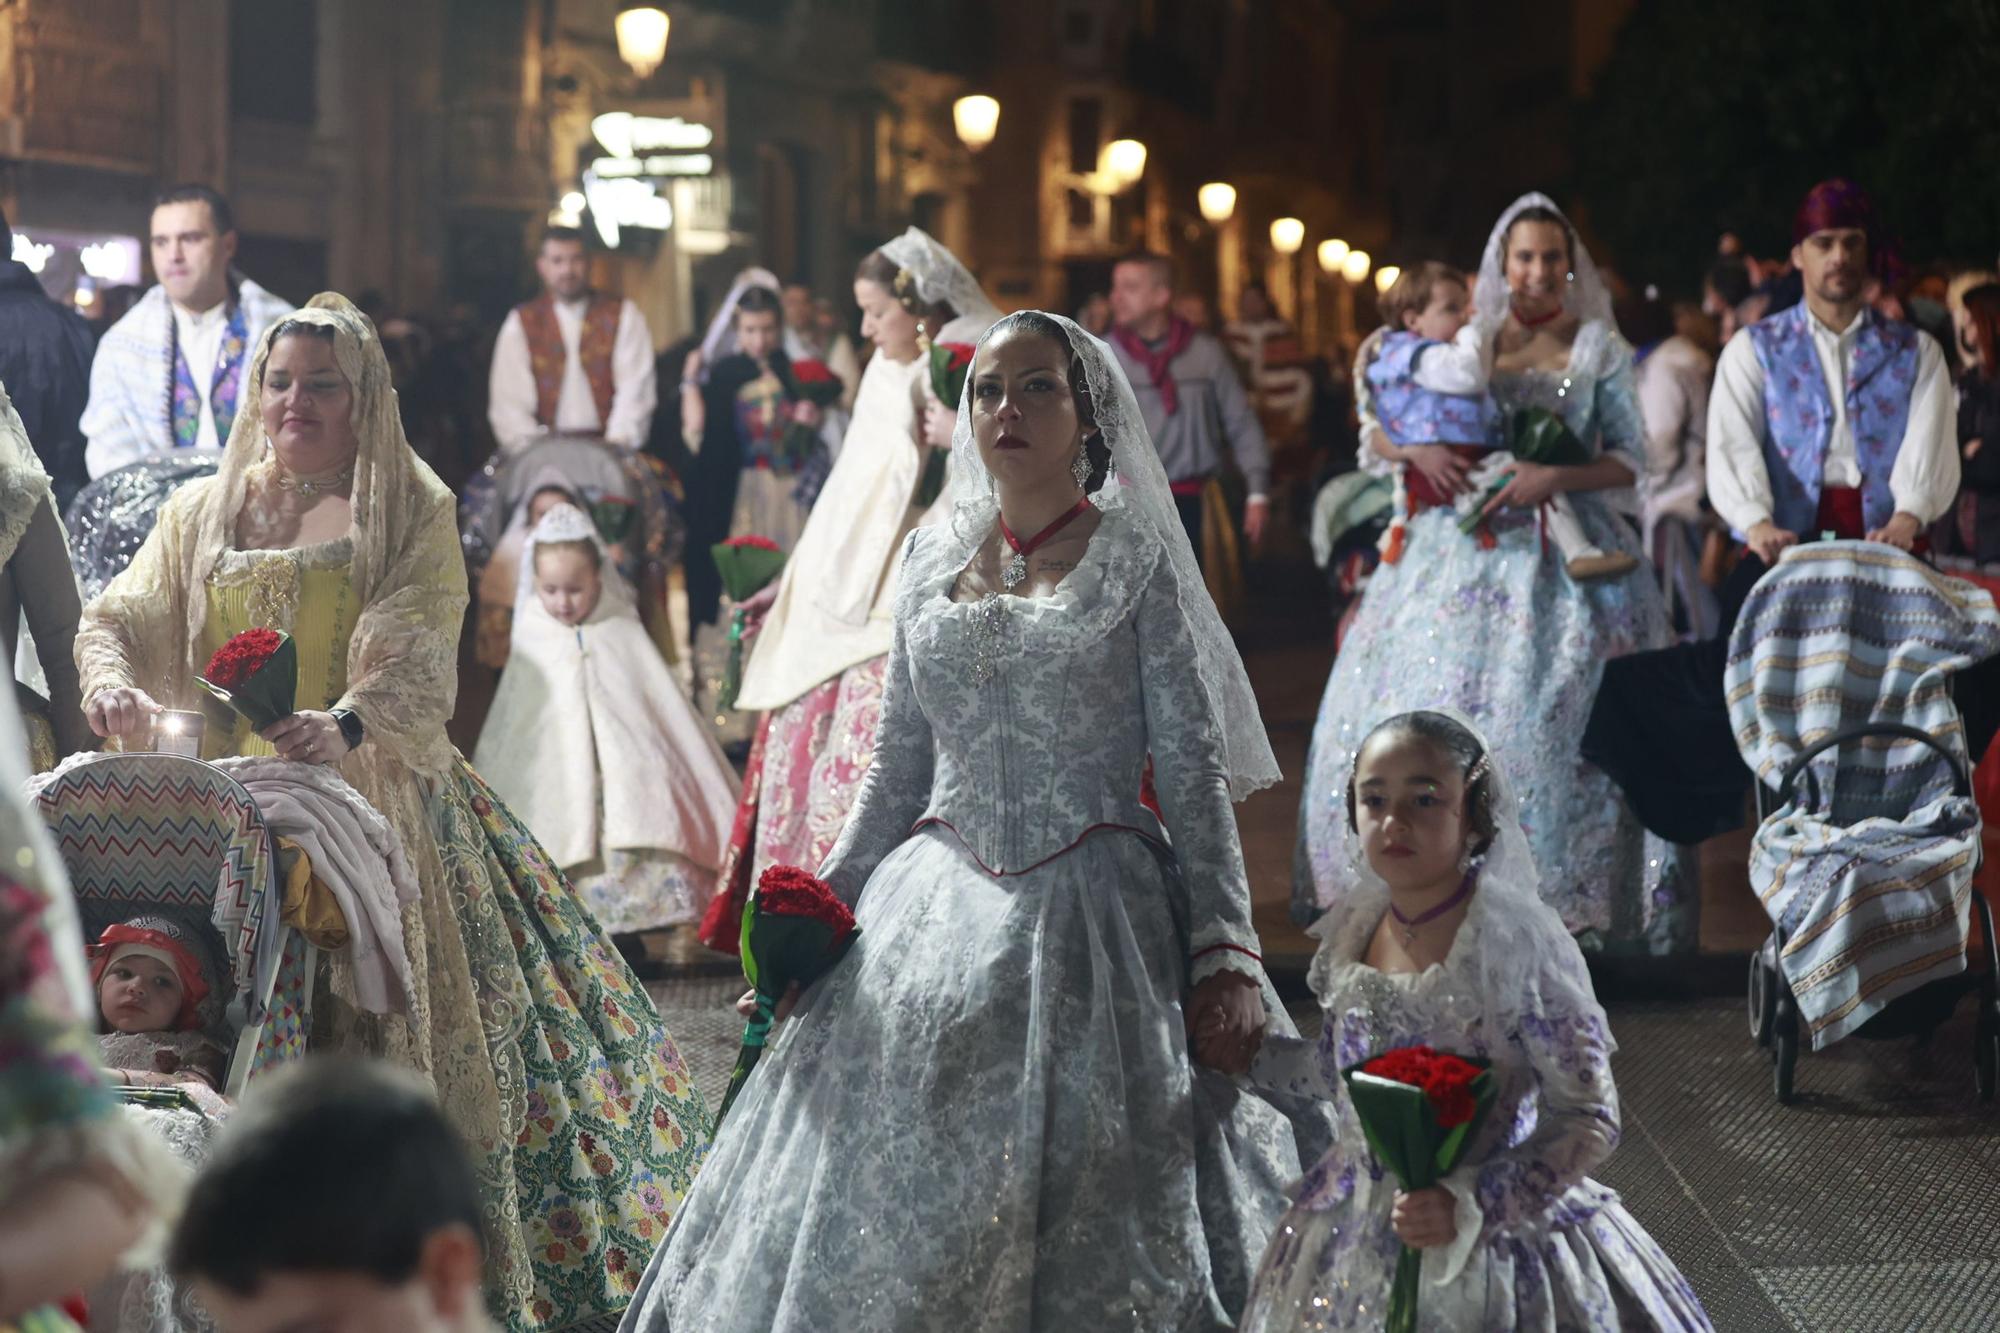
592, 742
1444, 941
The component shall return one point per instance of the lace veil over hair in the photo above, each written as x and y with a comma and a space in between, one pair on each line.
938, 276
719, 342
1514, 927
1136, 488
405, 527
1598, 349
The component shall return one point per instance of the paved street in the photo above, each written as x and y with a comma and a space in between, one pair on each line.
1871, 1205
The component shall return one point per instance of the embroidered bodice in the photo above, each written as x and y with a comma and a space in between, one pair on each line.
1555, 1113
1024, 725
306, 592
761, 424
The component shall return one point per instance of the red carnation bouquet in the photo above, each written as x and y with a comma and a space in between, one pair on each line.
747, 564
811, 382
1420, 1109
256, 675
794, 930
950, 364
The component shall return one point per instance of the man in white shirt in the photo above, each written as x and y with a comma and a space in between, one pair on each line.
169, 375
571, 361
1828, 418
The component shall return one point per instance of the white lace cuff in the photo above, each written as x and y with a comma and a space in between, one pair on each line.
1224, 956
1443, 1264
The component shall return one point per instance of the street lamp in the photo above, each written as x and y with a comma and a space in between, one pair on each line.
1217, 200
1122, 162
1332, 254
977, 120
1385, 277
1355, 267
1287, 235
642, 37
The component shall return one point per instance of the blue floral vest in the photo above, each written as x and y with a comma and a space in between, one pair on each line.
1881, 374
1411, 414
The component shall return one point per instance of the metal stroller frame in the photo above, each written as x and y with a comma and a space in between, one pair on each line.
1774, 1017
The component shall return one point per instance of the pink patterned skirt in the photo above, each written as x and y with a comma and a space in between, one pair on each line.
804, 773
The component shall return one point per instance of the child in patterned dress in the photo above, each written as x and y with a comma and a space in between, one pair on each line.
1429, 380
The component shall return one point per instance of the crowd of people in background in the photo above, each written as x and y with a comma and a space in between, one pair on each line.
668, 728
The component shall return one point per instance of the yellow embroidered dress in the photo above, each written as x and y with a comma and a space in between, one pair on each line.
585, 1126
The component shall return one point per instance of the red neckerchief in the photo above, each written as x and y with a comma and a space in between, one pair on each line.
1159, 364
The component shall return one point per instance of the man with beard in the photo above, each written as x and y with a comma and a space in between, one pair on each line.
573, 361
1827, 418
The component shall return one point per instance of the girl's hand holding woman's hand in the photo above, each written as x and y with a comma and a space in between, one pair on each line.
1530, 486
311, 737
939, 422
121, 712
1424, 1219
1226, 1021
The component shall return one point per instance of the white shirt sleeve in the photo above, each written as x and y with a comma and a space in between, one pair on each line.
635, 381
510, 396
1461, 366
1925, 478
1739, 486
1666, 403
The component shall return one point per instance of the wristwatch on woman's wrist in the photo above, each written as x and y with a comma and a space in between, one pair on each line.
350, 726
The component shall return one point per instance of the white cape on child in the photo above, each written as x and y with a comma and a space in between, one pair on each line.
592, 743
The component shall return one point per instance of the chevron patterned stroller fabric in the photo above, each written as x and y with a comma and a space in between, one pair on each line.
1867, 869
172, 836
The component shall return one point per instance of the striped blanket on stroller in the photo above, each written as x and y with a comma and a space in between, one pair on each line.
1867, 869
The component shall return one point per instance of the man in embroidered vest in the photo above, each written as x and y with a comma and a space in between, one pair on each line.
1827, 418
572, 361
169, 375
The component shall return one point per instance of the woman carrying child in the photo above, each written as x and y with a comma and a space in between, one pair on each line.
1440, 938
1492, 623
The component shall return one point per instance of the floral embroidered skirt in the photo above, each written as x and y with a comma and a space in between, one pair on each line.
1506, 635
815, 757
613, 1127
802, 778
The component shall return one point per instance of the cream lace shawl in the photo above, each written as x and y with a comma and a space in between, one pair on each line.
402, 662
23, 482
408, 575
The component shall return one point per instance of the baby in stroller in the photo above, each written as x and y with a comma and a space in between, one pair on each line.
159, 994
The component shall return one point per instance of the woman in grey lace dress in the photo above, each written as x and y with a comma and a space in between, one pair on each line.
985, 1117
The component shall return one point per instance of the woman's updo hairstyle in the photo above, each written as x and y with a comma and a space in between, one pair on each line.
1475, 766
1542, 213
1094, 447
892, 278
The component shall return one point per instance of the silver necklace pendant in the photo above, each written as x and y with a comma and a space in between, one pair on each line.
1015, 572
1409, 936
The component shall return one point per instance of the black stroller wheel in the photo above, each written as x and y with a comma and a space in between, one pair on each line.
1784, 1063
1985, 1060
1763, 998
